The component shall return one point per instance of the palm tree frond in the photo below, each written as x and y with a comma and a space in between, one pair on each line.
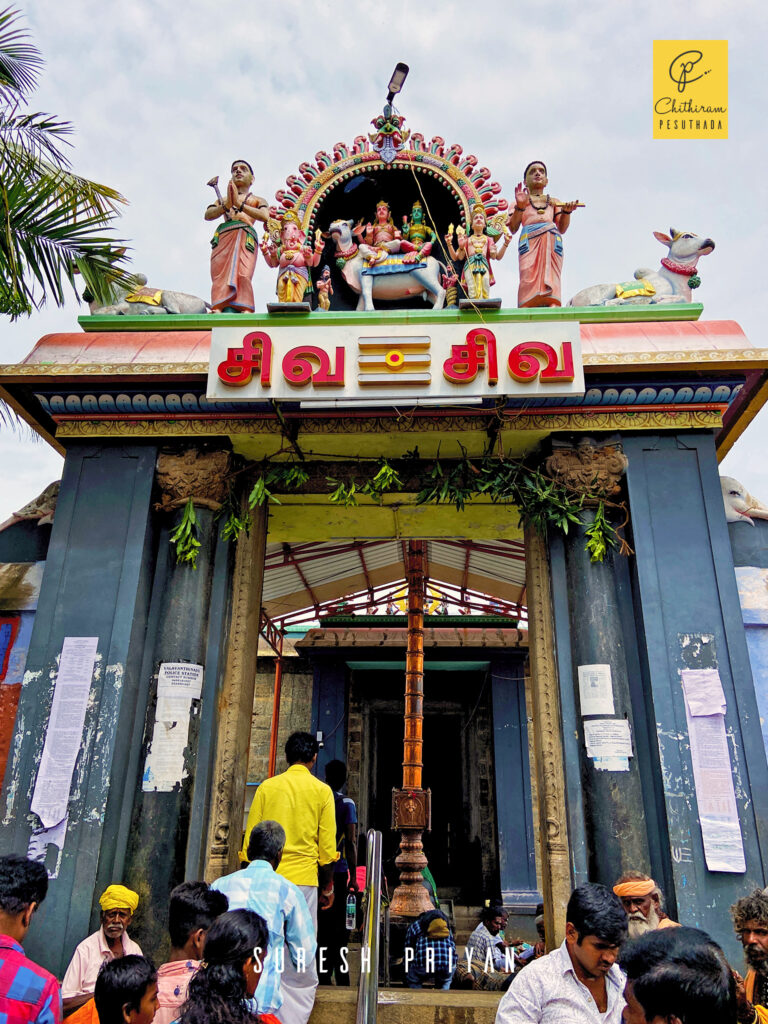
20, 60
54, 223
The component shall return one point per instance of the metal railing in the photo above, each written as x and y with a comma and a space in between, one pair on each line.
368, 990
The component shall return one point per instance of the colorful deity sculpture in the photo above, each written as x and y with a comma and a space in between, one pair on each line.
324, 289
544, 221
235, 243
418, 236
380, 238
289, 252
390, 136
477, 249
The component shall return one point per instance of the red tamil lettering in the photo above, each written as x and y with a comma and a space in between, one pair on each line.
310, 363
253, 356
525, 362
464, 362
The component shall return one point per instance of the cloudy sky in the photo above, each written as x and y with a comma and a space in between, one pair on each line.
164, 95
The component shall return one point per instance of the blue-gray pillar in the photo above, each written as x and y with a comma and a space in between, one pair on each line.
686, 589
613, 800
185, 597
97, 582
749, 544
514, 815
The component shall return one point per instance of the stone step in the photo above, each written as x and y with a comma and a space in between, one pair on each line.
408, 1006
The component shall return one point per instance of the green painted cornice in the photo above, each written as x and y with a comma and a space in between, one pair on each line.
264, 321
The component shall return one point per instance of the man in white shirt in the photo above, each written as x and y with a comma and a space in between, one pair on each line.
579, 983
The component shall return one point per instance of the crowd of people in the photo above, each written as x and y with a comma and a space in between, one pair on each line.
245, 948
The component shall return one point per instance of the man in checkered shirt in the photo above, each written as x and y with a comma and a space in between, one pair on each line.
28, 994
289, 979
430, 951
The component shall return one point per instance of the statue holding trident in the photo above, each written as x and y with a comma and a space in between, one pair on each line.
477, 249
235, 244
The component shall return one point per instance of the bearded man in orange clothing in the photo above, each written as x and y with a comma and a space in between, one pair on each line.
750, 920
644, 903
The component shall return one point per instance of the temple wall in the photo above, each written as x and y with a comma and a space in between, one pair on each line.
295, 712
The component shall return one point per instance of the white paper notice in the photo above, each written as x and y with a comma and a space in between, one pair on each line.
178, 684
608, 738
712, 773
703, 691
596, 690
65, 729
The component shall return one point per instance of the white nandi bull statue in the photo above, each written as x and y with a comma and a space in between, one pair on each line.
141, 300
672, 282
402, 284
740, 506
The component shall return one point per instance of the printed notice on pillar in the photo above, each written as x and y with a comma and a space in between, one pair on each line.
609, 743
64, 735
595, 690
712, 772
178, 684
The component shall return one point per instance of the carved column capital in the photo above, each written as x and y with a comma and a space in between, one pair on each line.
588, 467
200, 475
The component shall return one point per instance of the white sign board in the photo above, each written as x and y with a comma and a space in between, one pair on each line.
64, 735
398, 362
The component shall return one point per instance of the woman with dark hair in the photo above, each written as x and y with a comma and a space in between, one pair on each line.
233, 954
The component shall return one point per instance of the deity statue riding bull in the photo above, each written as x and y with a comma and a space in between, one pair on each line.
383, 265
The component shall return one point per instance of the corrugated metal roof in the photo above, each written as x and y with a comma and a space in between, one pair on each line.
335, 571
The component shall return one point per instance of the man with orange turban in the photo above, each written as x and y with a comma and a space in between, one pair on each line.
111, 941
643, 902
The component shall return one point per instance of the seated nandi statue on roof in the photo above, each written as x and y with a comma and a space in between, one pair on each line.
672, 282
740, 505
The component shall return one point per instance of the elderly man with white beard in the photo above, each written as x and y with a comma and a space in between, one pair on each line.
642, 900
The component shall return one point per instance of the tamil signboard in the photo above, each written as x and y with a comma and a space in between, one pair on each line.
354, 363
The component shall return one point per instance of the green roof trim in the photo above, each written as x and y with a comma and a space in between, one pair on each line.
584, 314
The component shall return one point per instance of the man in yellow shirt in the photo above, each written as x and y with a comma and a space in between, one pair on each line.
305, 808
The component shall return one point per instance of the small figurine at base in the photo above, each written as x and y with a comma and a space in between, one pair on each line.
289, 252
540, 248
235, 243
324, 289
478, 249
450, 281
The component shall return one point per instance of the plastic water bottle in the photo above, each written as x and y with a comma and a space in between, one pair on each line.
351, 917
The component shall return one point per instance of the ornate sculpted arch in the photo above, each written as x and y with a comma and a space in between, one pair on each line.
390, 149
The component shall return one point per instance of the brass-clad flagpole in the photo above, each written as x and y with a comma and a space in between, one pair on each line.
411, 804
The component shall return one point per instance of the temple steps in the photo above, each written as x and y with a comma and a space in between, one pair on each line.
408, 1006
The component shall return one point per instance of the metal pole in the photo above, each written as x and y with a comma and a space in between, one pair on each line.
275, 710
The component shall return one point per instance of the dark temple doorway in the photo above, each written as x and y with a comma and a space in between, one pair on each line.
458, 769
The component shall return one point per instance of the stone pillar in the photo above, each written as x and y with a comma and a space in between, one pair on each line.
548, 747
236, 703
614, 816
161, 819
97, 582
687, 610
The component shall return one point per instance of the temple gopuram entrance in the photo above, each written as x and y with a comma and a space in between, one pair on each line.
478, 548
353, 662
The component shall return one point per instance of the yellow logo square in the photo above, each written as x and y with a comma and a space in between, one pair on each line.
690, 89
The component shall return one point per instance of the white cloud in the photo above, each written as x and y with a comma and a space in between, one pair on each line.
165, 95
